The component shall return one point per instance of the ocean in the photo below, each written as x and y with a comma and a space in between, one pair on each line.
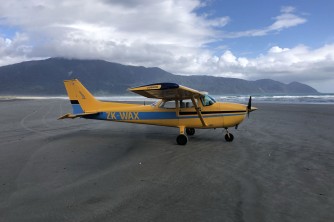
285, 99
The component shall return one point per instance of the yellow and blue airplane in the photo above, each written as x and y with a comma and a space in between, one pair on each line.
178, 106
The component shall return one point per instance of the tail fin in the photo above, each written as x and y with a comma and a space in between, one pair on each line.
81, 99
83, 102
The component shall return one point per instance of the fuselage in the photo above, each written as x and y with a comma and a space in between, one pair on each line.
217, 115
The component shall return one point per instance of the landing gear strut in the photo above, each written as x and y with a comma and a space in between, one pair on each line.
182, 139
190, 131
228, 136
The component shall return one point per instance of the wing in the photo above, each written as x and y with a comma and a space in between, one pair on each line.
166, 91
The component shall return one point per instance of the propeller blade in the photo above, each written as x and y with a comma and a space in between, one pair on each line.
249, 106
249, 103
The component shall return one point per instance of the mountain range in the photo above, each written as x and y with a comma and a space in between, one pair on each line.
102, 78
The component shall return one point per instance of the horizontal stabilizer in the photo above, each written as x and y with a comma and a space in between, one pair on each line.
73, 116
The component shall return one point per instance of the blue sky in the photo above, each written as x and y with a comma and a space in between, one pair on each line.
281, 40
245, 15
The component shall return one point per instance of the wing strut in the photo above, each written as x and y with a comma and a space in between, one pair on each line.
198, 110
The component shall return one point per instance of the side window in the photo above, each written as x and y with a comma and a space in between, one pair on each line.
186, 103
168, 105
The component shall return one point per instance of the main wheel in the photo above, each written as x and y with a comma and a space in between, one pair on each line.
229, 137
190, 131
181, 139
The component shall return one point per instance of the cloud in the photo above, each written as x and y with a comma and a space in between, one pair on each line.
15, 49
287, 9
283, 21
169, 34
167, 22
139, 32
299, 63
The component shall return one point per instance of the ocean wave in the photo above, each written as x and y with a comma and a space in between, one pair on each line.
294, 99
291, 99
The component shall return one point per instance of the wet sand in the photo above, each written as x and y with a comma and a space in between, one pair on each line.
280, 167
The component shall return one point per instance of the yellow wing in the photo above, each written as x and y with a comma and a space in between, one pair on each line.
166, 91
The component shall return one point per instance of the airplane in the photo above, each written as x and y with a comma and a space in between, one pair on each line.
177, 106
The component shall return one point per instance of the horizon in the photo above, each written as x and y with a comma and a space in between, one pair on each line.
290, 41
319, 99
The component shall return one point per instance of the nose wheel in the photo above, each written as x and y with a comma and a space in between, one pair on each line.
228, 136
182, 139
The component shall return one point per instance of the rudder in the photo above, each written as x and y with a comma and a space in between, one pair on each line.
81, 99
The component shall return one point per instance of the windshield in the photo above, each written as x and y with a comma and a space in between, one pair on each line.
207, 100
155, 103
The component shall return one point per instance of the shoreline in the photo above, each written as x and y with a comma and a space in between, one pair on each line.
149, 101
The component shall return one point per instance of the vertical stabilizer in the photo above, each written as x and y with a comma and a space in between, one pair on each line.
81, 99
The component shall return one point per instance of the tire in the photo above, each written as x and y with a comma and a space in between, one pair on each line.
229, 138
181, 139
190, 131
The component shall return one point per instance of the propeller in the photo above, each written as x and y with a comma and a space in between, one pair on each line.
249, 106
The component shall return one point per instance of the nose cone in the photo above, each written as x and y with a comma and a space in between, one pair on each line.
252, 109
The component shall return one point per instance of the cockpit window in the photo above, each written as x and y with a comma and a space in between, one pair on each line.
207, 100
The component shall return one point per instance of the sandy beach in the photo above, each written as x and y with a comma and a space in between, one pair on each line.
280, 167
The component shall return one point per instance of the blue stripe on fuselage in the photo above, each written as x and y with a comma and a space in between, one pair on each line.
136, 115
119, 116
